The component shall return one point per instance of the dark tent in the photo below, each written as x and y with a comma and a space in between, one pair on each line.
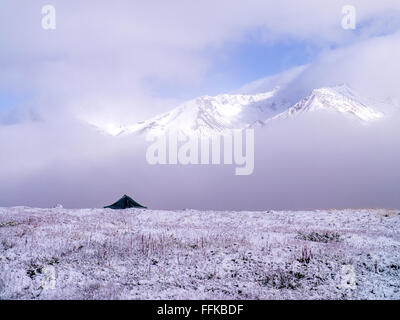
124, 203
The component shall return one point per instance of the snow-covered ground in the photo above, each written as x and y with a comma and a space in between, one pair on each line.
189, 254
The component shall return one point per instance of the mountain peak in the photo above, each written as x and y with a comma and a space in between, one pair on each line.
342, 89
207, 115
340, 98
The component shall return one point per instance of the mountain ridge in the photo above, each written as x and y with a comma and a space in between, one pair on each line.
207, 115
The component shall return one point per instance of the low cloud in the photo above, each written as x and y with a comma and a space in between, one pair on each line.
101, 65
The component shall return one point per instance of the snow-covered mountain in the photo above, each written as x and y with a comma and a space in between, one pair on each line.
341, 99
219, 114
206, 115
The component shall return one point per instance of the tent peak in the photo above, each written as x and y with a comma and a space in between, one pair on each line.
124, 203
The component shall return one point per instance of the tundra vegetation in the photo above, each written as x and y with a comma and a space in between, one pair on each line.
149, 254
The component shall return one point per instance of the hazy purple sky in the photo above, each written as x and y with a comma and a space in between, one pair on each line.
125, 61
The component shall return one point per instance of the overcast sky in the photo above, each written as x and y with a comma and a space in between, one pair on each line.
124, 61
139, 57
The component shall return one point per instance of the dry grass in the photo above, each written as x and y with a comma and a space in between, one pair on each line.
144, 254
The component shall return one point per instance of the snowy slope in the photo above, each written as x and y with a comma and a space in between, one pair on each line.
188, 254
219, 114
340, 99
206, 115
